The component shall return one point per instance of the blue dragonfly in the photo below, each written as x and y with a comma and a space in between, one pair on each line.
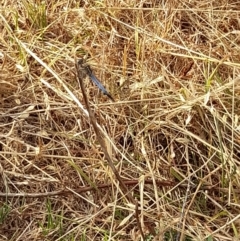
94, 79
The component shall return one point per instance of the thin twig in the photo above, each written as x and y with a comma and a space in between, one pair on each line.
101, 186
67, 191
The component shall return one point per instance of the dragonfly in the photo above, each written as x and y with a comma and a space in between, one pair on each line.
87, 70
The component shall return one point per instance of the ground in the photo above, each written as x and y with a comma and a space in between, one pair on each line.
75, 167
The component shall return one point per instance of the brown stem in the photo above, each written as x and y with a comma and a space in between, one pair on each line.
80, 71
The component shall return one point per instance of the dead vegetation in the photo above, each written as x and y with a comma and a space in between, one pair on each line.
172, 132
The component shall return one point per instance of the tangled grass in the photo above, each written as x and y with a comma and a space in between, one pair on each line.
173, 132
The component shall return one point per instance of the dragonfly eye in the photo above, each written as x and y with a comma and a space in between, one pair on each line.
80, 61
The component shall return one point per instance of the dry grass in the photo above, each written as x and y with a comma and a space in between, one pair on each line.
173, 132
